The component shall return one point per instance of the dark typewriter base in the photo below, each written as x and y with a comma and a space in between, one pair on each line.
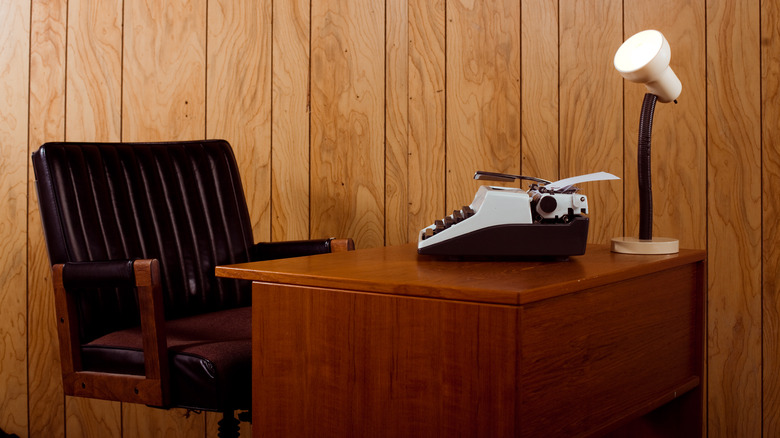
517, 241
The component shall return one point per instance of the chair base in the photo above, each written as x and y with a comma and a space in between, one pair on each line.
228, 425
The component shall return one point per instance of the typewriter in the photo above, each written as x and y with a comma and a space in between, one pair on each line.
547, 220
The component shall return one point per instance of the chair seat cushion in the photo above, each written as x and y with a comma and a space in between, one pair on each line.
210, 358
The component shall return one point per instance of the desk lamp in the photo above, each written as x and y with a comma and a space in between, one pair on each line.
644, 58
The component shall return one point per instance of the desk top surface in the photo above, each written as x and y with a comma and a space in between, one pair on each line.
399, 270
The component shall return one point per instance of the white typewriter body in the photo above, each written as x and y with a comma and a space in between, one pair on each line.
502, 221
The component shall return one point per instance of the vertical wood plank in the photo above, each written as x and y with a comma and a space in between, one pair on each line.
483, 93
770, 105
239, 108
47, 123
734, 217
539, 76
164, 68
347, 100
291, 111
397, 122
143, 421
679, 147
426, 114
590, 108
733, 162
14, 75
239, 96
93, 113
93, 82
679, 131
163, 98
86, 417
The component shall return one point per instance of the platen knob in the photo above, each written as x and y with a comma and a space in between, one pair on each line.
548, 204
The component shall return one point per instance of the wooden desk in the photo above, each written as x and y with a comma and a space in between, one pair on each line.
383, 342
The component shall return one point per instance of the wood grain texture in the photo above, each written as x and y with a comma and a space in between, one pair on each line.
143, 421
734, 217
590, 107
539, 74
90, 418
164, 71
352, 364
410, 274
291, 110
94, 64
629, 332
14, 75
483, 93
165, 62
770, 104
427, 115
47, 123
93, 113
347, 104
239, 96
163, 98
397, 23
679, 130
347, 361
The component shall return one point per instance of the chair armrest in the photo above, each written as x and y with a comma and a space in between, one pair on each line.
296, 248
70, 279
112, 273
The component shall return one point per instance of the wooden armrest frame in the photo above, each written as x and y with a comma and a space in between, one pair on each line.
339, 245
151, 389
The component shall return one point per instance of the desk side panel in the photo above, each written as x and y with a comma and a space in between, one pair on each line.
347, 364
609, 354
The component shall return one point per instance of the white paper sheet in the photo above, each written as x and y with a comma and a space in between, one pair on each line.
598, 176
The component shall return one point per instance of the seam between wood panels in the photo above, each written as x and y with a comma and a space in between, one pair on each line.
270, 132
520, 79
27, 241
384, 130
446, 109
706, 407
623, 142
309, 113
122, 77
558, 87
761, 203
206, 77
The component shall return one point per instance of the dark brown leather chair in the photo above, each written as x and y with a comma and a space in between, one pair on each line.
134, 231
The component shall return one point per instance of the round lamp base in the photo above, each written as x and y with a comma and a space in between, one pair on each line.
634, 245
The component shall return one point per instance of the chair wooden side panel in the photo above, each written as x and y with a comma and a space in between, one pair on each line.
147, 279
340, 245
152, 389
117, 387
67, 325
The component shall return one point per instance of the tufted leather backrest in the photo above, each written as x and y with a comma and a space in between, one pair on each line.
179, 202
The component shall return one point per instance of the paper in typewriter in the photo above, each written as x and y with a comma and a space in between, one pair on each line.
568, 182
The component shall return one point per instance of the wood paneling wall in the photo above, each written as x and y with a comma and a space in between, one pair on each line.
367, 119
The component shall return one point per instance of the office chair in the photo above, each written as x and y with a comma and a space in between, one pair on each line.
134, 231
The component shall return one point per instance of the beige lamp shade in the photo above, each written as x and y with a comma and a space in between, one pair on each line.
644, 58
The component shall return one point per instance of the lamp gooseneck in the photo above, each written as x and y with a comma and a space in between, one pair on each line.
643, 167
644, 58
